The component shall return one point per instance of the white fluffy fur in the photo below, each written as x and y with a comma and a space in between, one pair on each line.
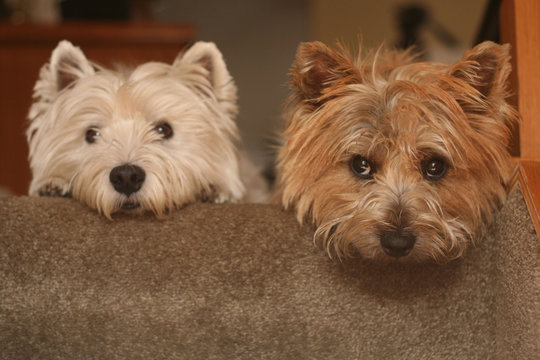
195, 95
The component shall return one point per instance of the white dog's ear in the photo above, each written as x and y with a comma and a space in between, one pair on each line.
207, 55
68, 64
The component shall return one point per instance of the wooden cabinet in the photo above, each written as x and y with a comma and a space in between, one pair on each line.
24, 49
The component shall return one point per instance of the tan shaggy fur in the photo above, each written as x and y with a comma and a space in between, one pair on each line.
382, 148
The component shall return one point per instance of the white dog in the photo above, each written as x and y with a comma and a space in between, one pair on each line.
150, 138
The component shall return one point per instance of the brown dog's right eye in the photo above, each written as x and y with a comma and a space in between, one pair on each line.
362, 167
434, 169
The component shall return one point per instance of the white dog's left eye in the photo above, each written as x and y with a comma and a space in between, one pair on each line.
164, 129
91, 135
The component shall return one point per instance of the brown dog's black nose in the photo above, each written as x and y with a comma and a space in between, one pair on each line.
397, 244
127, 179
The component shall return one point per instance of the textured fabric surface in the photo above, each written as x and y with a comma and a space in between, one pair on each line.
246, 282
518, 282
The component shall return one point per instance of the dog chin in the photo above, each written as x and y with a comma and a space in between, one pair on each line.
138, 207
130, 205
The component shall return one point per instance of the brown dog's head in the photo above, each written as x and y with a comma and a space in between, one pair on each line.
393, 158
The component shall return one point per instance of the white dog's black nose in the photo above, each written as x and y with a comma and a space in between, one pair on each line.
397, 244
127, 179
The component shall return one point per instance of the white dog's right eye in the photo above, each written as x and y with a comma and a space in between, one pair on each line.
91, 135
164, 129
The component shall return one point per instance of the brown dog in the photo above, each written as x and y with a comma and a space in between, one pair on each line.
392, 158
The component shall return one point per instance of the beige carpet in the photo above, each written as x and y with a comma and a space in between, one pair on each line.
246, 282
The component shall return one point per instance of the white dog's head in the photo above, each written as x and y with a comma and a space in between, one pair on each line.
151, 138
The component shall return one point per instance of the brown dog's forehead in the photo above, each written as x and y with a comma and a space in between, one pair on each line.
370, 121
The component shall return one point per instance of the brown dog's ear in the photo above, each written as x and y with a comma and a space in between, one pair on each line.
486, 68
317, 67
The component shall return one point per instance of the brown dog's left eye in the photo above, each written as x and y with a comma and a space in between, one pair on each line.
434, 169
164, 129
362, 167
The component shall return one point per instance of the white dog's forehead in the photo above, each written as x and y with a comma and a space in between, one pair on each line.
110, 97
